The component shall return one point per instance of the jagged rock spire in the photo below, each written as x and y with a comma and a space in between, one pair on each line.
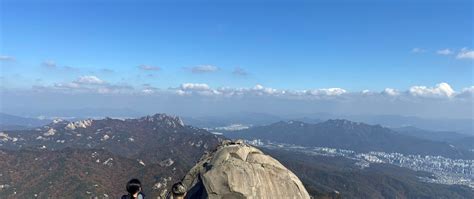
172, 121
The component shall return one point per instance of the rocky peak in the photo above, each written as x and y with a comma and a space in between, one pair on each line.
57, 123
79, 124
239, 170
350, 125
342, 123
168, 120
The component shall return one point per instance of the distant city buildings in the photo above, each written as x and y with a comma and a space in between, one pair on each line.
444, 170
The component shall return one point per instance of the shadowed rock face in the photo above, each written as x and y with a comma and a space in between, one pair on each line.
238, 170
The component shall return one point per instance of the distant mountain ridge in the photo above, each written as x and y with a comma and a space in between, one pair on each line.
12, 122
345, 134
464, 126
249, 119
443, 136
125, 137
159, 148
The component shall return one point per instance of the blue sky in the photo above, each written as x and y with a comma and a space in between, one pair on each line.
287, 45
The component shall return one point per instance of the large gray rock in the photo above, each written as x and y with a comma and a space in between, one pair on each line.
238, 170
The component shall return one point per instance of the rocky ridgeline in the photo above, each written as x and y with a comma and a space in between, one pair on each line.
170, 121
89, 133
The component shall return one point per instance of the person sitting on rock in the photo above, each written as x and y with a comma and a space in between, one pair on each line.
134, 188
178, 191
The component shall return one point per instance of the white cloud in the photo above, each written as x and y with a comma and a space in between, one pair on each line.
149, 68
466, 92
89, 80
204, 69
261, 90
88, 84
6, 58
53, 66
197, 89
390, 92
148, 91
239, 71
418, 50
195, 86
440, 90
465, 54
446, 51
468, 89
70, 85
180, 92
258, 87
327, 91
110, 89
49, 64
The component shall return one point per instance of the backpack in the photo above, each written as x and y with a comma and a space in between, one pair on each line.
128, 196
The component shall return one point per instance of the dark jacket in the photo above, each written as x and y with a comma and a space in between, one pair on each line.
140, 196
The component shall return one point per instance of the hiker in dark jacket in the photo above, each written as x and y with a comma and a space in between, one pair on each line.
134, 188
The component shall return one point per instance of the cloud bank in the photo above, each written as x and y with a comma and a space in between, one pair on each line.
94, 85
440, 100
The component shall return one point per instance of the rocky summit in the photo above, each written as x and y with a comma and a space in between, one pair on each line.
238, 170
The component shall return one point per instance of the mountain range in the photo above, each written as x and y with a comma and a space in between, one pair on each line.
462, 126
95, 158
344, 134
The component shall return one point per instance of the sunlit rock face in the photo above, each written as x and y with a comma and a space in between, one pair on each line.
238, 170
